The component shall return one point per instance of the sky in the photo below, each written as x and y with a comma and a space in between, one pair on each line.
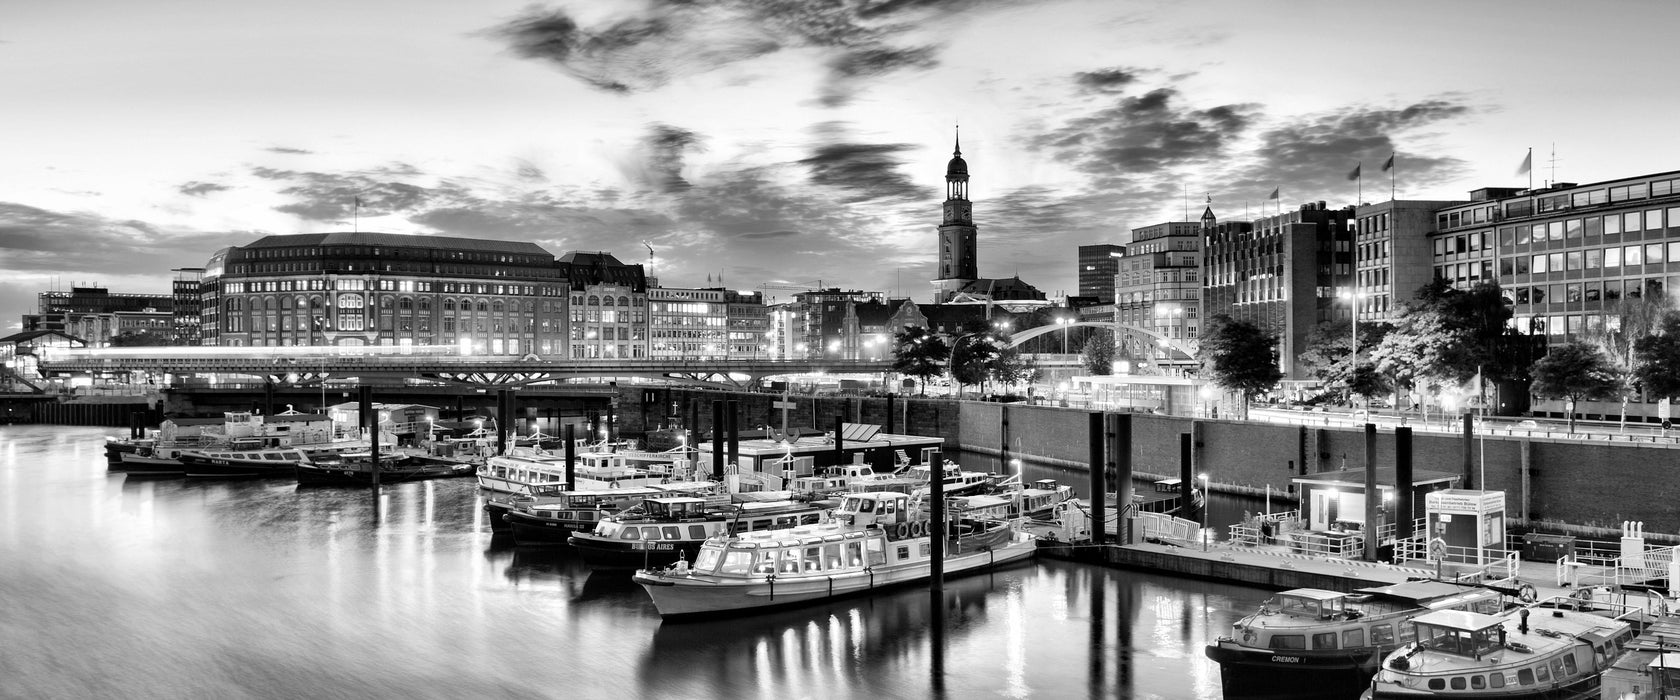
773, 144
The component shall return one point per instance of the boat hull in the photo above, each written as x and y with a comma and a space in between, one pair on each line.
632, 554
200, 467
141, 465
680, 598
530, 529
1263, 674
330, 475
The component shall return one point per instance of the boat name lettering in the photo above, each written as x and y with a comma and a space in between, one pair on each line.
651, 545
1286, 659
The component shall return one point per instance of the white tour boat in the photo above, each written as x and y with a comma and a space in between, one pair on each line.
874, 540
527, 471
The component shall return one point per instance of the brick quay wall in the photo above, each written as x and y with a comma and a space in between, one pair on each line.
1591, 486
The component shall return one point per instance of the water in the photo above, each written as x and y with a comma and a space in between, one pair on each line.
121, 586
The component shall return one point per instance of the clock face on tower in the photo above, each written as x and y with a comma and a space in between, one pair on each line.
957, 212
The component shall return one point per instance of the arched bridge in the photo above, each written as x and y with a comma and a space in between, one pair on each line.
314, 365
1165, 342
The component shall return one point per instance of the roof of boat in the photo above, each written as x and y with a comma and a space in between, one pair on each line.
1313, 593
1419, 591
1458, 619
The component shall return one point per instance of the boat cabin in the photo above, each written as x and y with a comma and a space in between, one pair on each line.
864, 509
1310, 603
1460, 632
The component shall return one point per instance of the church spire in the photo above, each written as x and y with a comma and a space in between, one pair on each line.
958, 151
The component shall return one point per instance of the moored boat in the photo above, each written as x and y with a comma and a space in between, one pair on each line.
241, 464
875, 540
1550, 650
664, 529
1309, 642
356, 469
958, 481
527, 471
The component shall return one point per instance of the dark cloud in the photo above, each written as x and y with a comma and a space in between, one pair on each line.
199, 189
288, 150
668, 40
332, 197
661, 156
529, 172
1146, 136
1105, 80
864, 171
1311, 155
851, 70
40, 240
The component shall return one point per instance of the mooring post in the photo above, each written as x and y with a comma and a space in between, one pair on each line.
1373, 494
571, 456
717, 441
1099, 487
936, 495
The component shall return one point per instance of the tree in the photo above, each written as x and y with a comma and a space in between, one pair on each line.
974, 353
1013, 368
1239, 356
1575, 371
1368, 382
920, 354
1657, 358
1098, 353
1327, 357
1630, 321
1446, 336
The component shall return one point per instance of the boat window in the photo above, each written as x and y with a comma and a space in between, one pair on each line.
1408, 634
903, 552
766, 563
650, 533
1326, 640
877, 551
813, 558
1437, 684
630, 534
854, 554
1496, 680
1477, 682
272, 457
1541, 673
1569, 664
790, 561
1353, 638
1457, 682
696, 532
1382, 635
760, 524
1287, 641
734, 562
1557, 667
672, 532
831, 557
706, 560
1525, 676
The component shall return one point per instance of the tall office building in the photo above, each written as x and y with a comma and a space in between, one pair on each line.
1393, 250
1282, 273
1098, 264
1158, 287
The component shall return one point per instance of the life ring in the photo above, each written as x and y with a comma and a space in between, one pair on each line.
903, 530
1527, 594
612, 485
916, 529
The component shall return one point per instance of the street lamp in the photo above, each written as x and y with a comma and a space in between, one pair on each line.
1064, 322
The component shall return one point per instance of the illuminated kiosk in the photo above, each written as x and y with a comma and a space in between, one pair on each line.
1465, 526
1332, 519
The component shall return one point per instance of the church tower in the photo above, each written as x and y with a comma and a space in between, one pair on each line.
957, 259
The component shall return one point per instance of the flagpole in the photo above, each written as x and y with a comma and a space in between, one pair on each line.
356, 216
1530, 161
1393, 165
1359, 182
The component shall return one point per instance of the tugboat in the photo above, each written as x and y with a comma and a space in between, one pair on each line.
242, 464
1308, 642
875, 540
661, 530
356, 469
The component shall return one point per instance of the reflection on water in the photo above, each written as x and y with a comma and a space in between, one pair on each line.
133, 587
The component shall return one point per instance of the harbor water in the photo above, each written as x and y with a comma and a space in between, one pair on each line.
121, 586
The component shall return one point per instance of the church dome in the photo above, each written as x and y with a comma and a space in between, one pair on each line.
957, 166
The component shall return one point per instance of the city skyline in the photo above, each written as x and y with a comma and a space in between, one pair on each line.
776, 142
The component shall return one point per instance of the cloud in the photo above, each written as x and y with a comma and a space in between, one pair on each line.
1311, 154
854, 41
288, 150
1105, 80
658, 160
332, 197
862, 171
196, 188
1145, 137
35, 240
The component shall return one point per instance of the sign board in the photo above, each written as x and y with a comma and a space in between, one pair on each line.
1663, 409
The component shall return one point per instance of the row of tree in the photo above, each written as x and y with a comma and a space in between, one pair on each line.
978, 354
1445, 337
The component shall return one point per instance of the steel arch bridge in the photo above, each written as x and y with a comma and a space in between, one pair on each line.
1177, 345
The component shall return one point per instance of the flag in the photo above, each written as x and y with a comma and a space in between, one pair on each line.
1274, 194
358, 202
1210, 198
1355, 174
1527, 164
1388, 164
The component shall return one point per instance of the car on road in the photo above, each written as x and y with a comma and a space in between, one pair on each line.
1528, 425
